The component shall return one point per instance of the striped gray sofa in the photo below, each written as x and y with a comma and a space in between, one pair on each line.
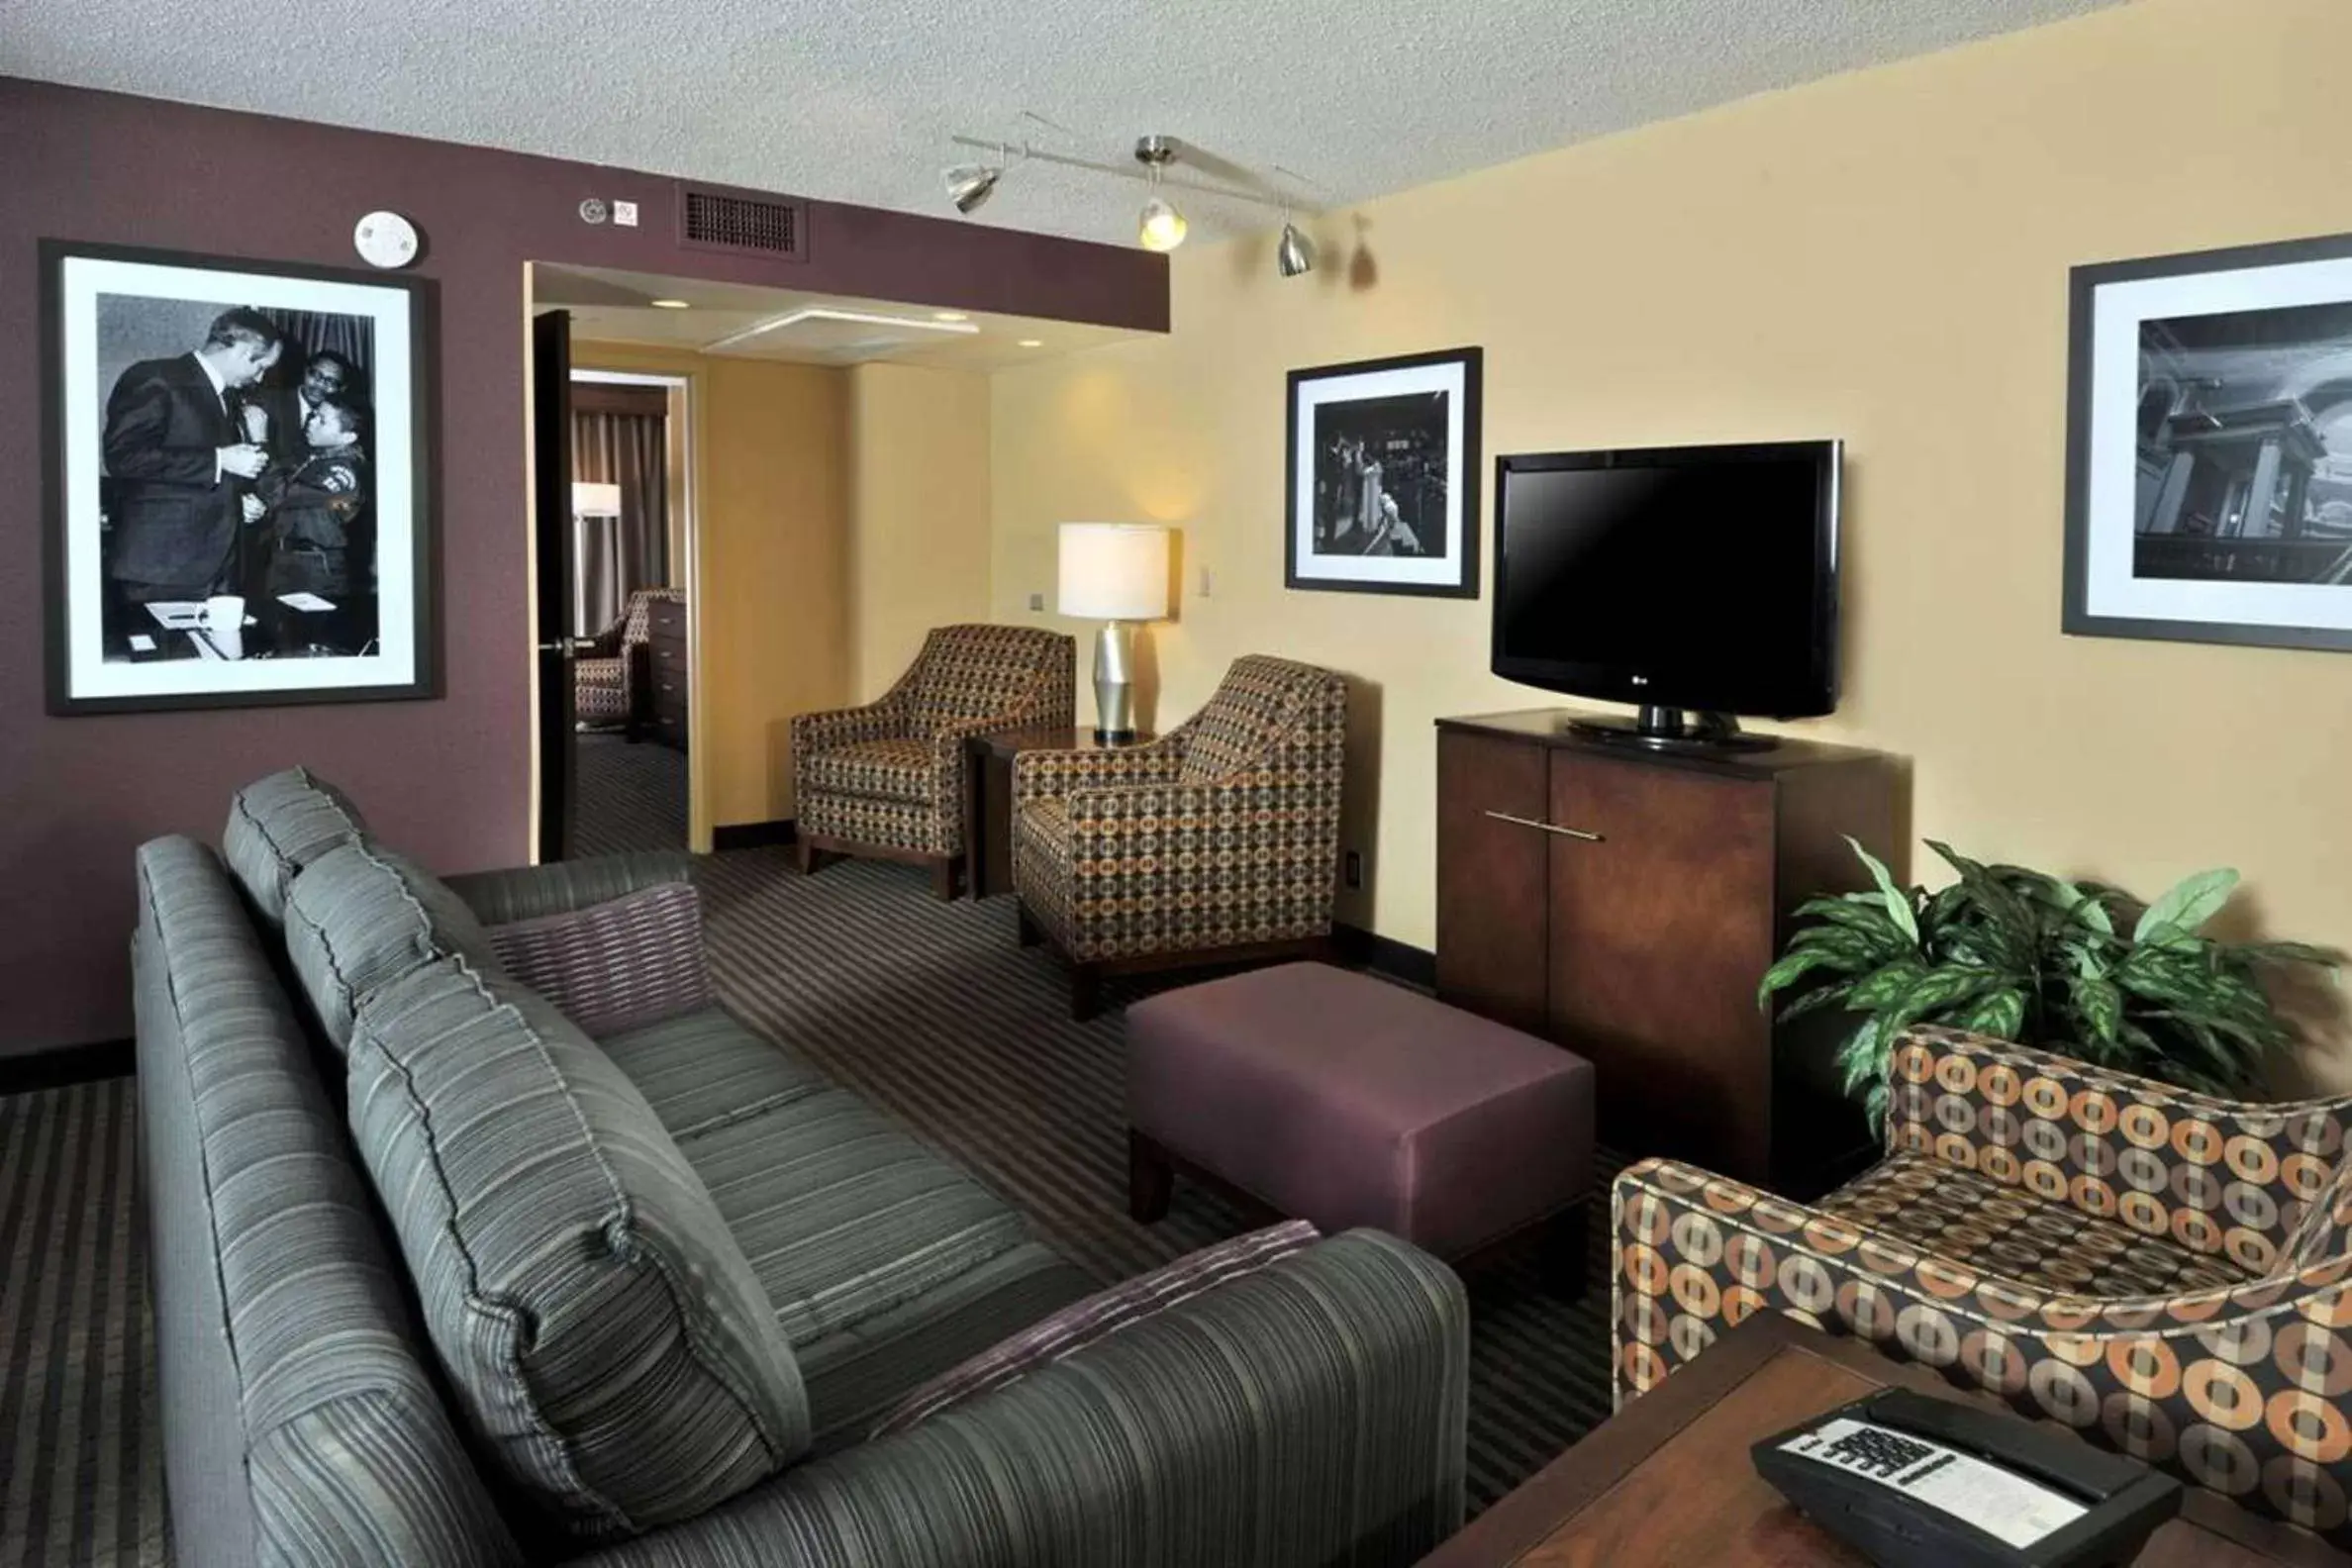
443, 1276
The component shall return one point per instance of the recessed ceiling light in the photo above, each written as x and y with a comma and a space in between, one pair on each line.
669, 304
1033, 342
949, 315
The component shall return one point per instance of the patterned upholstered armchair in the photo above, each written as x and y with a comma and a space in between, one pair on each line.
886, 780
2169, 1275
607, 680
1218, 842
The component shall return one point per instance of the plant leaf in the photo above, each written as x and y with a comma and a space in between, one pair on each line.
1898, 902
1885, 987
2186, 906
2000, 1014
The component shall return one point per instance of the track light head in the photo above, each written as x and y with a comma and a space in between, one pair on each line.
969, 185
1160, 227
1294, 253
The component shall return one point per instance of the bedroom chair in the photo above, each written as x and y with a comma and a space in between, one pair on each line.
1217, 843
609, 681
886, 780
2169, 1275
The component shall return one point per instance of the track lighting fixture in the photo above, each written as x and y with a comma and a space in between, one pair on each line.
1294, 254
1160, 227
969, 185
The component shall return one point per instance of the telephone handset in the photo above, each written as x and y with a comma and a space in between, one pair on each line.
1914, 1482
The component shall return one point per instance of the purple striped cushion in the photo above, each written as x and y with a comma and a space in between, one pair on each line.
614, 965
1082, 1324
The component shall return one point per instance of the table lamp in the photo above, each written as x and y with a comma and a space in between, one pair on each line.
1116, 573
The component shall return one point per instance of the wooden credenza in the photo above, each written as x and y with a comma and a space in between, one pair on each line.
667, 716
1624, 902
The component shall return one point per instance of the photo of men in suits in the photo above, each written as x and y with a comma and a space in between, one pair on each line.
177, 452
236, 469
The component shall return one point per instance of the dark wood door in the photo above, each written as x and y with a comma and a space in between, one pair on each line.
550, 493
1661, 926
1491, 924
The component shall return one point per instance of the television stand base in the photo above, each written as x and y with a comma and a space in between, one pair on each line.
1674, 729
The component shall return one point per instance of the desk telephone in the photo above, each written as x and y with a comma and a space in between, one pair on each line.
1914, 1482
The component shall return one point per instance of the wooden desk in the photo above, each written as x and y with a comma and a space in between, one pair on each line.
988, 798
1668, 1482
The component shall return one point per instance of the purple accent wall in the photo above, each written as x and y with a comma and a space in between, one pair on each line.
446, 780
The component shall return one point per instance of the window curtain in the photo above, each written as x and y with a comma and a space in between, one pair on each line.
629, 449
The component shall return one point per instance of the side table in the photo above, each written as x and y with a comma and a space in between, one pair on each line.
988, 798
1668, 1478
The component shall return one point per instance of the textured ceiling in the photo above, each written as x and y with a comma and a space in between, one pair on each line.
855, 101
611, 306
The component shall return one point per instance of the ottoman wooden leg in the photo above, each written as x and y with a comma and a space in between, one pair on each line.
1565, 1255
1150, 1179
1086, 992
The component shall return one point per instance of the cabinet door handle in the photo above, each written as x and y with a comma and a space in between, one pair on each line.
1576, 833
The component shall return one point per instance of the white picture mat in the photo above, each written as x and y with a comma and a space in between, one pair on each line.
2118, 309
391, 389
1441, 571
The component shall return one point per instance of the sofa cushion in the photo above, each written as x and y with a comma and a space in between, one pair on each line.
843, 1215
701, 1070
360, 917
277, 826
1098, 1317
614, 965
894, 769
599, 1324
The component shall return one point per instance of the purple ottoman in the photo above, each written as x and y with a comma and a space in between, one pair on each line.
1348, 1101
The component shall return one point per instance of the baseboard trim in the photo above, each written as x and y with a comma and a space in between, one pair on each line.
56, 1066
754, 835
1414, 966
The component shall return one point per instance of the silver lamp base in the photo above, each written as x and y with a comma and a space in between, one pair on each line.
1115, 692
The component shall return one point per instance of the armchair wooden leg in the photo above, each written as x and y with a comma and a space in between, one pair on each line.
943, 872
1027, 929
1151, 1179
1086, 992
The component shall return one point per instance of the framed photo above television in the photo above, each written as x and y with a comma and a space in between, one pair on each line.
238, 476
2208, 492
1383, 476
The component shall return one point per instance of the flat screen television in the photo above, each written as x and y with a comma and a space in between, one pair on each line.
1698, 583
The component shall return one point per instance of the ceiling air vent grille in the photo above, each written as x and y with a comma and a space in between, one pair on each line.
744, 223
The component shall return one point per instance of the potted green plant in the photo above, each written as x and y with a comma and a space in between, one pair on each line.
2075, 967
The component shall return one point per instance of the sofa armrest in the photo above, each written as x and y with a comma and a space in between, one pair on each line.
2116, 1145
1311, 1412
521, 893
1052, 775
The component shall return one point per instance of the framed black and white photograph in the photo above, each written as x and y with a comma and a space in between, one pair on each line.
2209, 448
237, 482
1383, 476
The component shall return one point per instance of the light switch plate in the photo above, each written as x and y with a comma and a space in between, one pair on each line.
625, 214
1207, 582
1037, 601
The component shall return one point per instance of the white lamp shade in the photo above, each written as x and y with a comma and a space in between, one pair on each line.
1115, 572
595, 500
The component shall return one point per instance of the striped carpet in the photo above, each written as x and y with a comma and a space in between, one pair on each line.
930, 1009
81, 1479
626, 797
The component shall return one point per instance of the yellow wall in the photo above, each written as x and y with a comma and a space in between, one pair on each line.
918, 513
1882, 257
771, 606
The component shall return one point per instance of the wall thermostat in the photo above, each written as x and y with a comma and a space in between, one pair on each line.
594, 210
385, 240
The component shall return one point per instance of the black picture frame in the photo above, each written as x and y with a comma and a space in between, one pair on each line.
1464, 502
419, 298
2084, 397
